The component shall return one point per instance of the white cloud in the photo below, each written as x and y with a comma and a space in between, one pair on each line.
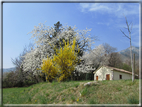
114, 13
118, 9
99, 7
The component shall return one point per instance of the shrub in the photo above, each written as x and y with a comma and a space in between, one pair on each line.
62, 64
12, 79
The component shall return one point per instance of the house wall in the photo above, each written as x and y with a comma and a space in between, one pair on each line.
101, 73
124, 75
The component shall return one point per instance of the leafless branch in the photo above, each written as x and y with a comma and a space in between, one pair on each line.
124, 34
131, 26
128, 27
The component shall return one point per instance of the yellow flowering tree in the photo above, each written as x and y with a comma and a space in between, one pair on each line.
66, 59
49, 69
63, 63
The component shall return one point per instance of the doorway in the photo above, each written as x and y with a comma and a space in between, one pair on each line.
96, 77
107, 76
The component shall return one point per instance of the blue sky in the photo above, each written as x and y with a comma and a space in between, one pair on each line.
105, 20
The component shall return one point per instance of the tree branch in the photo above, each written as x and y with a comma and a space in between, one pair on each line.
124, 34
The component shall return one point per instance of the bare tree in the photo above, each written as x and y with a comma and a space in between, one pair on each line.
101, 55
17, 62
129, 37
108, 49
114, 60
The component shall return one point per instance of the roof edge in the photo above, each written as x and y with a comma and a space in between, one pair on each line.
113, 68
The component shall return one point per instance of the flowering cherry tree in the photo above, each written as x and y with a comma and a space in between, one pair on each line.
97, 57
44, 39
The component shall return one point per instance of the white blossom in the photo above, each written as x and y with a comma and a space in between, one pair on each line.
96, 57
43, 41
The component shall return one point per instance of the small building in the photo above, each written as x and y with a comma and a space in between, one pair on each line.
111, 73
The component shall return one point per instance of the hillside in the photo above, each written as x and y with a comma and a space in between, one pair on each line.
8, 69
74, 92
125, 54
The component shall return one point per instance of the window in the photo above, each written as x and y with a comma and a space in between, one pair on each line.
120, 76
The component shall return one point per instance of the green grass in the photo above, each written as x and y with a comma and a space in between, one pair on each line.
93, 101
74, 92
73, 98
84, 91
133, 100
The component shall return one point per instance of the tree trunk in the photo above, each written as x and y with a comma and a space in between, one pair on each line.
134, 64
71, 78
131, 60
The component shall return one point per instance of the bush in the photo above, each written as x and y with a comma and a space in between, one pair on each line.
12, 79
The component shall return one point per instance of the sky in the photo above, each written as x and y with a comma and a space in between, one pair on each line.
105, 20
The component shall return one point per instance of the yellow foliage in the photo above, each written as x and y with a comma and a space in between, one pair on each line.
63, 62
49, 69
66, 59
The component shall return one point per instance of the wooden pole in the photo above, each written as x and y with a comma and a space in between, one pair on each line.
131, 55
134, 64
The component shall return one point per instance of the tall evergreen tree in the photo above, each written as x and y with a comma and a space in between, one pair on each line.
57, 28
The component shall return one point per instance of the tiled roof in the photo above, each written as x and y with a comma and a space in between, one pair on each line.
121, 70
116, 69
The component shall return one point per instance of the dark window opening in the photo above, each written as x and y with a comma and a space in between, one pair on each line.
120, 76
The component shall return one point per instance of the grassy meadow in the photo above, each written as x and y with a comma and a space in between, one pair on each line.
74, 92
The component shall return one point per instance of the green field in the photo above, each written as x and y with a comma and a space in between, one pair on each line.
74, 92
